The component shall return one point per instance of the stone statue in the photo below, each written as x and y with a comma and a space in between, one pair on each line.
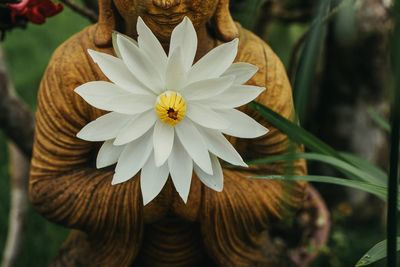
110, 226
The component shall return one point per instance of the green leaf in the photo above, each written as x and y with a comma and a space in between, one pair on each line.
378, 119
376, 253
311, 142
367, 166
309, 58
295, 132
379, 191
346, 168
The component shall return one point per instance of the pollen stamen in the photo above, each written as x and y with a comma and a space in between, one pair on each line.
171, 108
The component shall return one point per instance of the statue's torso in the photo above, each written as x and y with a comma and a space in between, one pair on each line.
172, 233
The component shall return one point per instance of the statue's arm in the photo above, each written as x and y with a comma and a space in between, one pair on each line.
278, 97
65, 185
244, 213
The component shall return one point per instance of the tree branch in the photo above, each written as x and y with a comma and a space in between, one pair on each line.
90, 14
19, 165
16, 120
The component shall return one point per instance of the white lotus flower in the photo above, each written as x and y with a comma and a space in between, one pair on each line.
168, 117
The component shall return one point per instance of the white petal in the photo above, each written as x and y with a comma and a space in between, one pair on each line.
184, 36
193, 142
133, 157
206, 117
242, 125
108, 154
136, 128
181, 168
175, 75
236, 96
163, 139
152, 179
215, 62
98, 93
219, 146
104, 128
115, 45
117, 72
131, 104
207, 88
149, 43
242, 72
215, 181
108, 96
139, 64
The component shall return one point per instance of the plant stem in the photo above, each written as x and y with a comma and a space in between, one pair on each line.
394, 148
81, 10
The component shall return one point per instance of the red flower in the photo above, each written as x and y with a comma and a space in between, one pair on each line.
35, 11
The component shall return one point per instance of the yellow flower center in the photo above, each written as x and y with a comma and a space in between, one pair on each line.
171, 108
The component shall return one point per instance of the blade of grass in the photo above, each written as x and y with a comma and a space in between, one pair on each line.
394, 147
366, 166
376, 190
294, 132
379, 191
346, 168
309, 58
379, 120
376, 253
299, 43
311, 142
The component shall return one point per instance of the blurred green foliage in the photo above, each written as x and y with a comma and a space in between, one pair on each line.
246, 11
307, 66
28, 52
282, 37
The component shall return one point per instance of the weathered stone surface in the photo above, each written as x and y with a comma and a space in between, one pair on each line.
110, 225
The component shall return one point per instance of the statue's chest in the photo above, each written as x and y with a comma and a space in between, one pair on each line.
172, 242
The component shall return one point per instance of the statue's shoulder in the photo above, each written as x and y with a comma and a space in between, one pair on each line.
254, 50
72, 54
69, 67
70, 64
